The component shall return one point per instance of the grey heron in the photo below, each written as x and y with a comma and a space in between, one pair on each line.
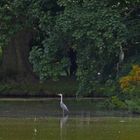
62, 105
121, 56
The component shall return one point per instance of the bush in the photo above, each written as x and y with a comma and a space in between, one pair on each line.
133, 105
131, 83
67, 86
109, 88
118, 103
115, 103
127, 67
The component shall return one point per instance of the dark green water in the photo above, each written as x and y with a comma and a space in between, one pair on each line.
42, 120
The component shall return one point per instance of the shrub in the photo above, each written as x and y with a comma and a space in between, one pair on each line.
133, 105
118, 103
131, 83
115, 103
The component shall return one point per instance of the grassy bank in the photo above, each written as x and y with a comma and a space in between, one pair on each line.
47, 89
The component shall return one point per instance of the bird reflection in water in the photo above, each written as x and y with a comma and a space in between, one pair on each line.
63, 121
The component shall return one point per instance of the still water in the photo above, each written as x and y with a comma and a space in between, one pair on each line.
43, 120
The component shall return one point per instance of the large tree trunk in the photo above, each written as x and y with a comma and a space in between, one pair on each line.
15, 63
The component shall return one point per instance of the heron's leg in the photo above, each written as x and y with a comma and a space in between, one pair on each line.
63, 112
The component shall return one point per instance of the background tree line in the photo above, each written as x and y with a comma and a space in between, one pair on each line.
97, 42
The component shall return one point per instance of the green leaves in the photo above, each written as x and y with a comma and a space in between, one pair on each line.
16, 15
96, 31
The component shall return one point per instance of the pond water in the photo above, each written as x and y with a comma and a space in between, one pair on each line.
43, 120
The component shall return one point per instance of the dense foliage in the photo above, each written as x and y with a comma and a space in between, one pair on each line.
95, 31
103, 37
131, 83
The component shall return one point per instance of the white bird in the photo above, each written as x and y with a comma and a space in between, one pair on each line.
62, 105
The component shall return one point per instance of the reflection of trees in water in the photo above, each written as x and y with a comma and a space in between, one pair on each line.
83, 118
63, 120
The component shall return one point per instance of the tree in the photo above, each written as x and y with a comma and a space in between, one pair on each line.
19, 27
95, 30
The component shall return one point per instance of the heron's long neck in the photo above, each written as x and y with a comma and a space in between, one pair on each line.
61, 99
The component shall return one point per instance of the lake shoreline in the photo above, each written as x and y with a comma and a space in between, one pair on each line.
44, 98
